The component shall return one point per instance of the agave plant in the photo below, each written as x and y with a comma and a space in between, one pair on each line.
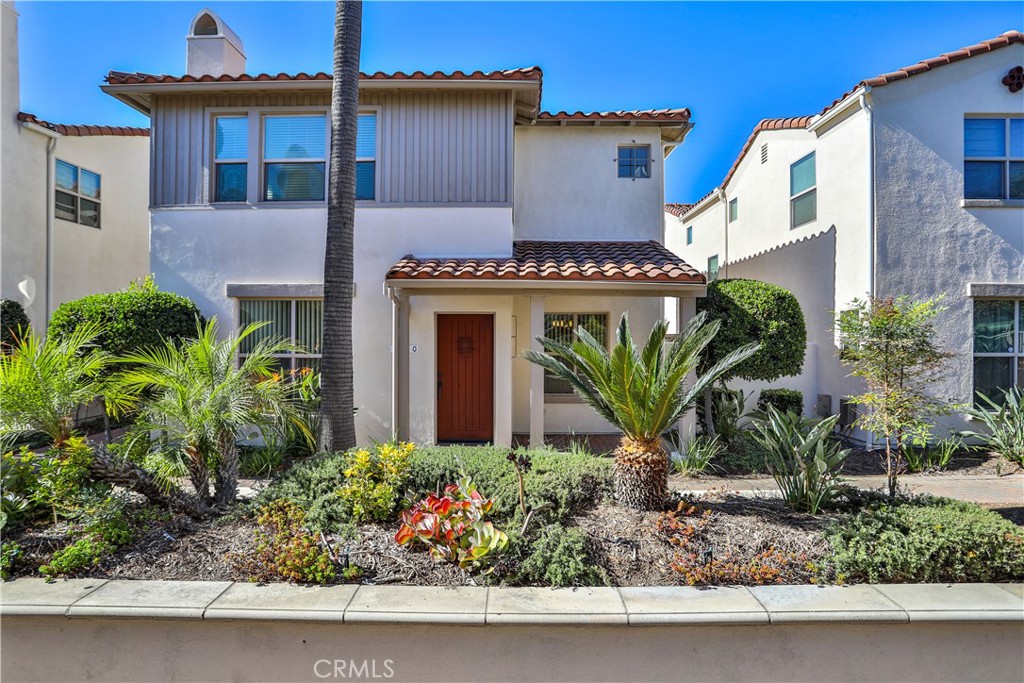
204, 398
43, 383
801, 456
1004, 426
642, 391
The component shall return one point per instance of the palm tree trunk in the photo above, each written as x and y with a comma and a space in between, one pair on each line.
130, 476
641, 475
337, 424
198, 473
226, 485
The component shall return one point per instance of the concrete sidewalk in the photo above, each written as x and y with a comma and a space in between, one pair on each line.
987, 490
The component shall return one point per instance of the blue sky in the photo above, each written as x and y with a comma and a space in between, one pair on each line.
732, 64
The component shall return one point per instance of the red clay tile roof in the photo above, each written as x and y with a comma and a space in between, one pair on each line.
677, 210
83, 130
1006, 39
558, 261
660, 115
532, 73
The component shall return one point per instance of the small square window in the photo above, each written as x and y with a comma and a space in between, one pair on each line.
734, 210
994, 158
634, 161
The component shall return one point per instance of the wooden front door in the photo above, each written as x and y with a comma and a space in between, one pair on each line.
465, 377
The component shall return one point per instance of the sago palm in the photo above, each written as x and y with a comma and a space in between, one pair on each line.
642, 391
43, 383
203, 398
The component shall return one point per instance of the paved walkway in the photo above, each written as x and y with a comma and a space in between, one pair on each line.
987, 490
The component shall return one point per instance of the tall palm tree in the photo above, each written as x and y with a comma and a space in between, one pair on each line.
337, 424
43, 383
204, 399
642, 391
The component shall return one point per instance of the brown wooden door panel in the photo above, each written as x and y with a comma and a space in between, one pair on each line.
465, 377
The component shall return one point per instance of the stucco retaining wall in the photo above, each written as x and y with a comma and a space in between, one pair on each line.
213, 631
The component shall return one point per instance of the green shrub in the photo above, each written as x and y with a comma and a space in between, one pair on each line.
1004, 425
9, 554
18, 484
107, 520
560, 556
373, 479
753, 311
286, 550
927, 540
129, 320
744, 456
563, 482
803, 457
696, 456
13, 322
78, 557
785, 400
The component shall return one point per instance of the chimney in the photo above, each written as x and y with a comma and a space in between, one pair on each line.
213, 48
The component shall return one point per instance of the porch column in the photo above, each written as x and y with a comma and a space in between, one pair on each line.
536, 374
687, 425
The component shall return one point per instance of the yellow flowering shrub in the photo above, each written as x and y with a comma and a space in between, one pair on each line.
373, 479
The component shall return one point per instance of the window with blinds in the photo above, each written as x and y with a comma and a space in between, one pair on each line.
803, 192
562, 328
76, 194
366, 157
299, 320
231, 158
994, 158
294, 158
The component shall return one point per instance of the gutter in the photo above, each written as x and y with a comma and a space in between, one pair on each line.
654, 288
51, 146
867, 106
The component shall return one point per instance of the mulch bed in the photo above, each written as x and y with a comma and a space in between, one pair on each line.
873, 462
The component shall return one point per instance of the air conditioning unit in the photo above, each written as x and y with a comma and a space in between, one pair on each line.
847, 414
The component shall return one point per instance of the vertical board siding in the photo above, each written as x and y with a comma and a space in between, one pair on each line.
435, 148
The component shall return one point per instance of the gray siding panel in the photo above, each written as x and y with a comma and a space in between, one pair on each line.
435, 148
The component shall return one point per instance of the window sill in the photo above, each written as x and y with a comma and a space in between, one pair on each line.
992, 203
563, 398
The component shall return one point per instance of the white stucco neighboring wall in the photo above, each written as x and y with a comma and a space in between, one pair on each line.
567, 185
928, 243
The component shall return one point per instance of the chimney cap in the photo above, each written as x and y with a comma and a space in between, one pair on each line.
207, 24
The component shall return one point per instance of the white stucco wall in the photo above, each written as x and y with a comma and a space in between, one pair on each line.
85, 260
928, 243
567, 185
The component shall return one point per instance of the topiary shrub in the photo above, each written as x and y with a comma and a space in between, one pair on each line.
754, 311
784, 400
927, 540
13, 322
137, 317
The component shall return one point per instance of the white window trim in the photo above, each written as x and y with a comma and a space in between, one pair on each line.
1006, 159
793, 197
1014, 356
77, 194
255, 173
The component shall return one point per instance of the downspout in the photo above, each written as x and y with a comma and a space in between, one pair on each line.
867, 107
725, 257
396, 306
51, 146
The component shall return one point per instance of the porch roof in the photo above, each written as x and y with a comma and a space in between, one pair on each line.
532, 261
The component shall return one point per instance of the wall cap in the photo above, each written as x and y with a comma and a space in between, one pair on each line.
1007, 290
480, 606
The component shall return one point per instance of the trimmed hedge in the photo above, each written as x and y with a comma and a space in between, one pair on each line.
927, 540
784, 400
754, 311
131, 319
12, 319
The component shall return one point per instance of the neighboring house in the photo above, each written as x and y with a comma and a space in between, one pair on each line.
74, 207
910, 184
481, 222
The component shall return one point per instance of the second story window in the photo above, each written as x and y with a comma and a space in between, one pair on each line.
366, 157
294, 158
634, 161
734, 210
803, 192
77, 194
689, 235
231, 158
994, 158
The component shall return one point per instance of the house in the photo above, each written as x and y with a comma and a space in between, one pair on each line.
74, 209
482, 221
911, 183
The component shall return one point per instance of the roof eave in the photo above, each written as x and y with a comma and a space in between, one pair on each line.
653, 287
